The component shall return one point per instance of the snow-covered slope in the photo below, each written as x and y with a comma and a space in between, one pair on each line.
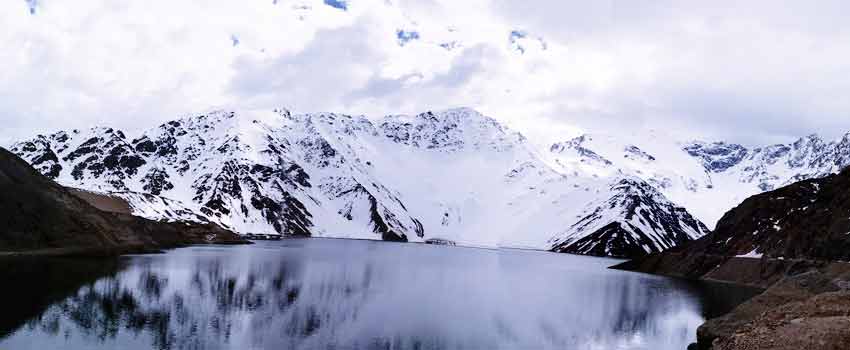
146, 205
636, 219
456, 175
162, 209
740, 172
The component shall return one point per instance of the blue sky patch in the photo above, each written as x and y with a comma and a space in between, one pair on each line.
340, 4
405, 37
517, 34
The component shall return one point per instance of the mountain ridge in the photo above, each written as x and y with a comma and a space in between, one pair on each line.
445, 174
707, 178
454, 174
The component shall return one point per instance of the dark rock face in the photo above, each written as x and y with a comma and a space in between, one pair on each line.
718, 156
156, 181
45, 160
807, 220
39, 214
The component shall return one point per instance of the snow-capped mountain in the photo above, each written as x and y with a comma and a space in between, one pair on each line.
774, 166
635, 219
706, 178
455, 175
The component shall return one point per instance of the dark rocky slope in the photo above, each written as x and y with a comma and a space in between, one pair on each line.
806, 220
38, 216
792, 241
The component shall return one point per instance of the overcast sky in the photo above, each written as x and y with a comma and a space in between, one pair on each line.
746, 71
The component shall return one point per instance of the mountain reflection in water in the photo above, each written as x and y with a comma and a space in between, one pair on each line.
336, 294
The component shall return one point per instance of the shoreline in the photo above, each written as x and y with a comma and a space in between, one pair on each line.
105, 252
630, 266
798, 299
615, 260
144, 249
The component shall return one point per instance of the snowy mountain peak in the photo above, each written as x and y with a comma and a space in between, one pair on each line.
637, 219
450, 130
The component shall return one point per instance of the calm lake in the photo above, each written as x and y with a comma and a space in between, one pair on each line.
344, 294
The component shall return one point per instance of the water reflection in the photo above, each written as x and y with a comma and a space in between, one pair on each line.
32, 285
329, 294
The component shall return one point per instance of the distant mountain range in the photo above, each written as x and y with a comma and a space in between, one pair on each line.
455, 175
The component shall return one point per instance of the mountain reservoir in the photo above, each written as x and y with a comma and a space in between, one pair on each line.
349, 294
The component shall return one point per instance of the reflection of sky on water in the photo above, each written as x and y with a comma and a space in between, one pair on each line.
364, 295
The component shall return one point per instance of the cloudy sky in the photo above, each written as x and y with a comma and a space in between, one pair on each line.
747, 71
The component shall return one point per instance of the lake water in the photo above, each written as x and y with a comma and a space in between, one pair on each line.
344, 294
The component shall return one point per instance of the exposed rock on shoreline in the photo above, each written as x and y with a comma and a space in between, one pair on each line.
790, 241
801, 309
810, 310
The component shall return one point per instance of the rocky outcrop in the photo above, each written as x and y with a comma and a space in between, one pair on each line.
41, 217
718, 156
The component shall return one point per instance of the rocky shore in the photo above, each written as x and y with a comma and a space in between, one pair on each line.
794, 243
805, 304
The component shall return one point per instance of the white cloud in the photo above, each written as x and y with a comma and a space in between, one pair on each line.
756, 71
